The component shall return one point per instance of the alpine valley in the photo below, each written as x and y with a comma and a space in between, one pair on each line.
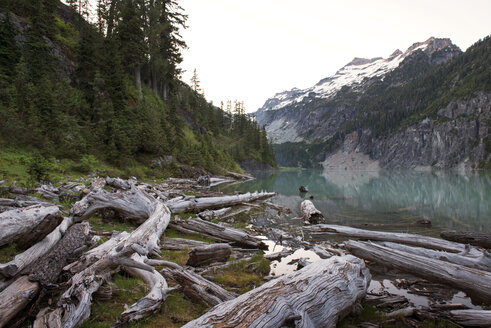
429, 106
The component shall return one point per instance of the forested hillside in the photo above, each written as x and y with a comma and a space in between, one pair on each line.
111, 89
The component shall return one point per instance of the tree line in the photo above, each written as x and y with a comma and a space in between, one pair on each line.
111, 88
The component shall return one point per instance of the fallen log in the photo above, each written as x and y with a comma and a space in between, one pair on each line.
181, 243
472, 318
278, 255
212, 215
76, 300
15, 297
38, 250
239, 176
277, 207
195, 286
316, 296
197, 205
18, 223
207, 254
482, 262
322, 252
403, 238
480, 239
310, 213
475, 282
236, 236
118, 183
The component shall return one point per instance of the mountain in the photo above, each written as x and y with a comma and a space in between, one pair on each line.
371, 106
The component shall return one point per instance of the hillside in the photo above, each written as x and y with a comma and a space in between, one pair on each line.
383, 115
111, 91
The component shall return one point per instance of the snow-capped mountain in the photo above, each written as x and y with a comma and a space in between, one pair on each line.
286, 115
355, 74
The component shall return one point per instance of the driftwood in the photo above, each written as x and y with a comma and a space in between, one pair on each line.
118, 183
47, 269
17, 223
76, 300
468, 237
277, 207
404, 238
15, 297
207, 254
472, 318
278, 255
316, 296
483, 262
38, 250
181, 243
322, 252
239, 176
236, 236
211, 215
195, 286
197, 205
475, 282
310, 213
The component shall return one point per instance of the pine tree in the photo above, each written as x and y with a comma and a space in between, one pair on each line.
195, 83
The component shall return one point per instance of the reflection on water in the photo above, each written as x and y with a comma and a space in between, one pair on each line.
386, 199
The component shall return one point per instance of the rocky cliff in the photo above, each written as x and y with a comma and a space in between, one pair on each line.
428, 106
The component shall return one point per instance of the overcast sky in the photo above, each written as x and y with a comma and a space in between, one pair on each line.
250, 50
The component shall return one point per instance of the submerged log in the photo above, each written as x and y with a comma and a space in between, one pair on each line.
475, 282
316, 296
403, 238
15, 297
17, 223
207, 254
236, 236
197, 205
195, 286
310, 213
482, 262
468, 237
472, 318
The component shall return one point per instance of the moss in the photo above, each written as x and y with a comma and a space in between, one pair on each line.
8, 252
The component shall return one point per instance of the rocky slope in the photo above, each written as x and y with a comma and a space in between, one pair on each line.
397, 112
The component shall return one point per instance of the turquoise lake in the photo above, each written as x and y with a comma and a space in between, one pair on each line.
385, 200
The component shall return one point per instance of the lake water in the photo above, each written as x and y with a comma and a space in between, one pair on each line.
385, 200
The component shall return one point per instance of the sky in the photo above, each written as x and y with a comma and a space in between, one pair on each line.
250, 50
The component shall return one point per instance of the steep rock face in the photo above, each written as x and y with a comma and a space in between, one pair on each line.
458, 137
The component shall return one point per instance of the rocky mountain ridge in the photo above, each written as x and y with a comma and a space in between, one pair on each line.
389, 113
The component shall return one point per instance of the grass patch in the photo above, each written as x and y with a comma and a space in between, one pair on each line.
242, 276
368, 314
8, 252
99, 224
179, 257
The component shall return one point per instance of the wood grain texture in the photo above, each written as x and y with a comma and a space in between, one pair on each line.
316, 296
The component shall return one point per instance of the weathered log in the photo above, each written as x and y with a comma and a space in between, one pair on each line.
277, 207
239, 176
48, 319
236, 236
475, 282
316, 296
181, 243
468, 237
278, 255
47, 269
207, 254
403, 238
197, 205
472, 318
152, 301
118, 183
8, 202
38, 250
322, 252
212, 215
196, 287
310, 213
405, 312
76, 300
15, 297
20, 222
482, 262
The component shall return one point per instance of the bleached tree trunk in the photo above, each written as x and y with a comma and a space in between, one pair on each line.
207, 254
481, 239
475, 282
472, 318
310, 213
316, 296
15, 297
403, 238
